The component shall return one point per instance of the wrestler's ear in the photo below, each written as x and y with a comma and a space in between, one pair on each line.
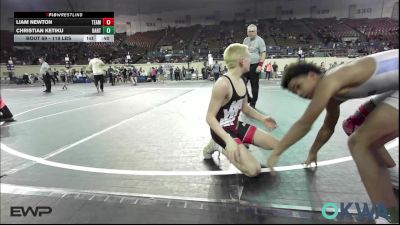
312, 75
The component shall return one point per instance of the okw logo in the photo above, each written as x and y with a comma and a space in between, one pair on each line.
35, 211
364, 213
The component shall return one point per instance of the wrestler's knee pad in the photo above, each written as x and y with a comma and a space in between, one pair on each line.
357, 119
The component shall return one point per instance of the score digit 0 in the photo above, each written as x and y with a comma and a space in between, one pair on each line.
108, 30
108, 21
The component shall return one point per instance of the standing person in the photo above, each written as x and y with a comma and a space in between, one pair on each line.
228, 99
55, 76
323, 68
111, 75
300, 54
284, 68
216, 70
208, 71
375, 123
161, 74
133, 74
52, 76
225, 70
177, 73
268, 70
197, 73
44, 72
97, 66
64, 78
204, 72
171, 72
274, 70
124, 74
153, 74
184, 73
257, 51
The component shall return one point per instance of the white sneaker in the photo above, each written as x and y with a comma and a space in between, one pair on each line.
210, 149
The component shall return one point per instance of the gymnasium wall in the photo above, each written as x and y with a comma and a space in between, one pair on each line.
20, 70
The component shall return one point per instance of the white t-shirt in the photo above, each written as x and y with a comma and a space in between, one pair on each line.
97, 66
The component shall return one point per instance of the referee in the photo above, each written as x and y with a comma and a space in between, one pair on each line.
257, 51
44, 71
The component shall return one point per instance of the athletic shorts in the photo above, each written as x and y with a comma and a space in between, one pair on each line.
244, 134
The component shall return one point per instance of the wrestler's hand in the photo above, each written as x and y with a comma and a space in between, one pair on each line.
312, 157
270, 123
232, 150
272, 161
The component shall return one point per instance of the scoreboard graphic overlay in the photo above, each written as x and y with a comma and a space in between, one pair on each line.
63, 26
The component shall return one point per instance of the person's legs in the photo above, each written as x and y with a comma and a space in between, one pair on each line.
246, 163
379, 127
249, 134
6, 114
131, 78
264, 140
47, 82
44, 78
253, 77
102, 82
216, 75
96, 82
353, 122
254, 82
383, 155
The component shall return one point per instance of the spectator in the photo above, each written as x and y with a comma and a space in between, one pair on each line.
274, 70
216, 70
323, 68
268, 70
153, 74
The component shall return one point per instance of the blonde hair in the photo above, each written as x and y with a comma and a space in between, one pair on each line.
233, 53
